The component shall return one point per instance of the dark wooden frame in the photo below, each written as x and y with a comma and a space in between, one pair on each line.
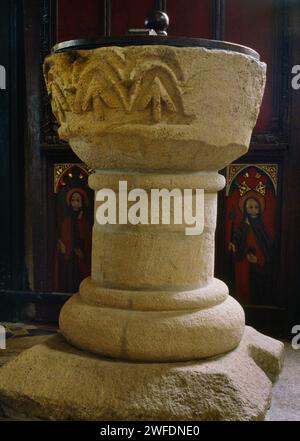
290, 233
12, 268
161, 5
218, 19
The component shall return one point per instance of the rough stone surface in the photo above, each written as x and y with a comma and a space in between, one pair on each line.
207, 296
155, 107
155, 257
153, 335
286, 393
55, 381
157, 266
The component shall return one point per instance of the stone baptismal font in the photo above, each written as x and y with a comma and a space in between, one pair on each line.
151, 335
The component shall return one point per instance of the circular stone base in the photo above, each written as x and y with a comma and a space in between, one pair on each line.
55, 381
174, 335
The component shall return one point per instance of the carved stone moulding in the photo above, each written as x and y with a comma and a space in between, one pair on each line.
155, 107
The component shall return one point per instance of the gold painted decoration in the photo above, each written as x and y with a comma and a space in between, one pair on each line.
63, 171
233, 170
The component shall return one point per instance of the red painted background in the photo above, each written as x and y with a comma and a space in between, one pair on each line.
251, 176
247, 22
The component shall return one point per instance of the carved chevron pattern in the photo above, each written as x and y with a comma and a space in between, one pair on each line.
84, 84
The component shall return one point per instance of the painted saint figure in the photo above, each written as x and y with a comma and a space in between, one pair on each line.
73, 254
252, 248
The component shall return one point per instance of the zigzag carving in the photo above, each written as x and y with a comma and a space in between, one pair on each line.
82, 84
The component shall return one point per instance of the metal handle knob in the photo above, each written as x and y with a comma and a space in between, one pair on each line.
157, 20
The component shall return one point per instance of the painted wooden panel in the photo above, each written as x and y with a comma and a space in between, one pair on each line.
86, 19
74, 220
129, 15
79, 19
250, 23
251, 204
190, 19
